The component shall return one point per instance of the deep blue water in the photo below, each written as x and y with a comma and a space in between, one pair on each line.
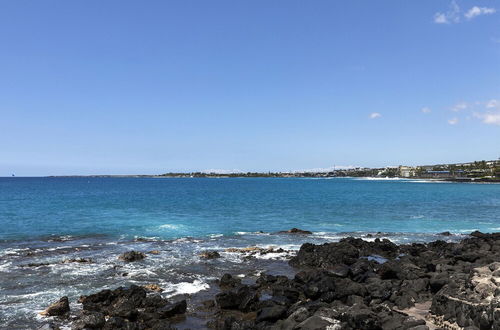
45, 221
171, 208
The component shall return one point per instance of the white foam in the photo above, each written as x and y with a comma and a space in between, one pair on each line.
271, 256
250, 233
169, 226
5, 266
467, 230
186, 288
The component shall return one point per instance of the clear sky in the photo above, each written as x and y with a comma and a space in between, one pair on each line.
95, 87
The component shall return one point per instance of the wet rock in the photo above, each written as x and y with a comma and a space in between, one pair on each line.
228, 281
131, 256
316, 322
154, 252
36, 264
58, 308
326, 255
128, 308
296, 231
300, 315
437, 281
340, 270
271, 313
77, 260
228, 300
445, 233
49, 326
209, 255
361, 317
153, 287
89, 320
173, 309
390, 270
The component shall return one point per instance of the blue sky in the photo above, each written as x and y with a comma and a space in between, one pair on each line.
147, 87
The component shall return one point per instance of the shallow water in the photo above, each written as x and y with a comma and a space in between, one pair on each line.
47, 220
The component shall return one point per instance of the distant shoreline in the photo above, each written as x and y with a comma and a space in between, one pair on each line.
273, 175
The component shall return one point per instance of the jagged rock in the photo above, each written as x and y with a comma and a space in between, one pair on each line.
473, 301
296, 231
131, 256
172, 309
437, 281
228, 281
153, 287
128, 308
318, 323
77, 260
209, 255
326, 255
49, 326
58, 308
228, 299
271, 313
340, 270
89, 320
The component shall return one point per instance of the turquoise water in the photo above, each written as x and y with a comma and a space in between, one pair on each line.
45, 221
172, 208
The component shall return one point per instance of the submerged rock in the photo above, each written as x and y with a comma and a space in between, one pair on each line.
132, 256
209, 255
58, 308
77, 260
296, 231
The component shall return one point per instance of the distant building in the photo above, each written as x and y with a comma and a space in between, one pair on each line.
406, 171
439, 174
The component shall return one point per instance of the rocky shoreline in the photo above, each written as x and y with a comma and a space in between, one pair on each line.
350, 284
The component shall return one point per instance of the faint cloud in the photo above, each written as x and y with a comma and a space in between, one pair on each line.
490, 118
459, 106
374, 115
453, 121
426, 110
495, 40
451, 16
492, 104
477, 11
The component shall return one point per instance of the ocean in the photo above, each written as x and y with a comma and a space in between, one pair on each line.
45, 221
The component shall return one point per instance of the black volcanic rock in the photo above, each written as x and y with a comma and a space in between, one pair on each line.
58, 308
131, 256
355, 284
209, 255
296, 231
128, 308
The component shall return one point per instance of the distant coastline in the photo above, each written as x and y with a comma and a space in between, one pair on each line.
472, 172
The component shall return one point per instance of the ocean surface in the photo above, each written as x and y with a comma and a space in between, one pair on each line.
45, 221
